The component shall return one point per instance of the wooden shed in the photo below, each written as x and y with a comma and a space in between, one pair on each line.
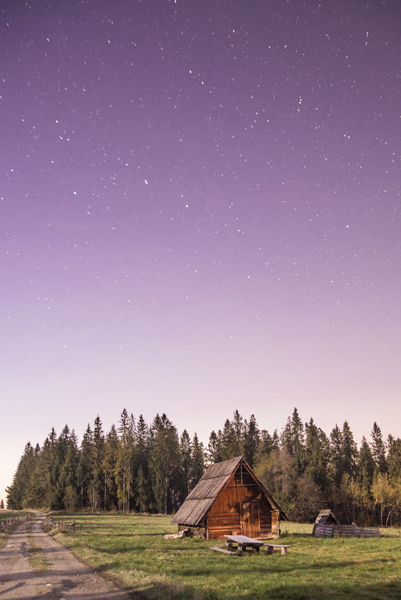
327, 525
230, 500
324, 523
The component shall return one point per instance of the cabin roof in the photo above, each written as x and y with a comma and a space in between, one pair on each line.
200, 499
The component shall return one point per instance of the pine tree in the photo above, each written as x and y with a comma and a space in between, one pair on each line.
267, 443
349, 451
57, 487
165, 463
124, 466
67, 482
109, 468
16, 492
298, 441
144, 496
292, 439
336, 469
85, 468
198, 462
98, 458
228, 445
251, 441
286, 440
31, 498
232, 438
213, 449
239, 428
378, 449
186, 460
394, 458
40, 482
316, 455
366, 466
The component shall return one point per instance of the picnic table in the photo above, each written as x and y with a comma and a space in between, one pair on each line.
242, 542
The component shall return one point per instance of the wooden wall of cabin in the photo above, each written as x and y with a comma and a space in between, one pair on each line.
275, 523
240, 509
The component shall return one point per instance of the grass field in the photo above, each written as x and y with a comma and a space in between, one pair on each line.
131, 549
6, 515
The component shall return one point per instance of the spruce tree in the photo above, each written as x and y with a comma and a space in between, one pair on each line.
110, 456
67, 482
394, 458
336, 464
228, 442
125, 460
198, 462
366, 466
317, 455
144, 496
378, 449
85, 468
165, 463
213, 449
16, 492
251, 441
98, 458
349, 451
186, 460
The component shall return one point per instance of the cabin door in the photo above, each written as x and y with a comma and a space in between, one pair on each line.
250, 522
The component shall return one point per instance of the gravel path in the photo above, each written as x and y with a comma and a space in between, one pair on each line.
66, 578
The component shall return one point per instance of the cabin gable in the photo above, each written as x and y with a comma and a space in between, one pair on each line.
240, 504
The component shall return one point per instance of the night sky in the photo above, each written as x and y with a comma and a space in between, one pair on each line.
199, 212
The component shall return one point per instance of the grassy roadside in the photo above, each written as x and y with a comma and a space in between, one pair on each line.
131, 550
5, 515
36, 556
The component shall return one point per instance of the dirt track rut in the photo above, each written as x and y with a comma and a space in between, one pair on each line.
66, 578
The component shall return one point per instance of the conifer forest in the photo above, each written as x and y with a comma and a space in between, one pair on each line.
151, 468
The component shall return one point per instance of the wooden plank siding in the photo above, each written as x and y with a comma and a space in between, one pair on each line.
332, 530
240, 509
230, 500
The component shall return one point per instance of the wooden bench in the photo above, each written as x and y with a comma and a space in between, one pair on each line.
282, 547
224, 551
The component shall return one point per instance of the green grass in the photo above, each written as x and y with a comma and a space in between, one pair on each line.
36, 555
9, 514
131, 550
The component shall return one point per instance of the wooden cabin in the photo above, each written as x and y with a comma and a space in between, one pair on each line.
230, 500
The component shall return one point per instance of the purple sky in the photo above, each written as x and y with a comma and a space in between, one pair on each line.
200, 212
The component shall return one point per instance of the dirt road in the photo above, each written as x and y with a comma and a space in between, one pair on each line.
66, 578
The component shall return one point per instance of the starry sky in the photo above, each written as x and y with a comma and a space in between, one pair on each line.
199, 212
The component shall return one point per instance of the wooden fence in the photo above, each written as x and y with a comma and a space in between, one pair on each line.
62, 525
345, 531
8, 523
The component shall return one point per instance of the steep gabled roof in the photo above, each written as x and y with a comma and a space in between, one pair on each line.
326, 516
200, 499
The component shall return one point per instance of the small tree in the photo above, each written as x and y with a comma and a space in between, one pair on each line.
387, 494
378, 449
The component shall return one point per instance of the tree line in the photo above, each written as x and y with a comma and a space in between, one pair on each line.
151, 468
